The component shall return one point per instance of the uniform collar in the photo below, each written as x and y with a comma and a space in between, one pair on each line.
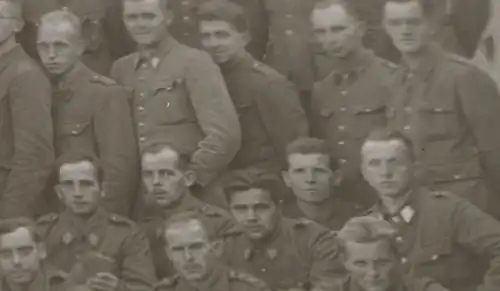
217, 279
270, 246
156, 55
350, 69
76, 227
406, 214
72, 77
241, 60
42, 281
353, 286
429, 59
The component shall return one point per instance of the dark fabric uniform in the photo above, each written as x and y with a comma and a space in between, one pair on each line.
299, 254
185, 25
215, 219
346, 106
123, 250
45, 280
102, 26
408, 284
446, 238
180, 98
26, 143
269, 111
92, 114
450, 109
221, 279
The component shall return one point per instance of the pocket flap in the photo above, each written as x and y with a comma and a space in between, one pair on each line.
74, 128
435, 251
368, 108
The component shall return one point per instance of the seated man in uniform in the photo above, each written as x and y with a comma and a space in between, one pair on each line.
285, 253
193, 251
368, 248
167, 177
22, 253
311, 176
110, 249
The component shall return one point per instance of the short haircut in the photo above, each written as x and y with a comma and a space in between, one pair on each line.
165, 4
351, 7
17, 6
367, 229
186, 217
183, 156
386, 134
244, 180
223, 10
64, 15
74, 157
10, 225
308, 146
427, 5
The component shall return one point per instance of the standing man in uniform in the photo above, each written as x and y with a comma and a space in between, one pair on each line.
312, 176
194, 252
104, 35
448, 107
26, 135
268, 105
91, 112
439, 235
105, 251
180, 97
288, 254
351, 100
167, 178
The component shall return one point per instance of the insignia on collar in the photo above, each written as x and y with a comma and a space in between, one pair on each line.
93, 239
67, 238
407, 213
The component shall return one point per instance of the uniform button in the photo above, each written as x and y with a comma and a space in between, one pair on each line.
410, 75
142, 139
142, 78
342, 161
74, 132
288, 32
141, 124
435, 257
399, 239
144, 65
343, 92
186, 33
343, 109
288, 15
404, 260
457, 177
263, 270
142, 95
186, 18
341, 142
140, 108
341, 127
408, 109
407, 128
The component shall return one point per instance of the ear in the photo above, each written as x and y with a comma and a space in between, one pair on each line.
217, 247
59, 192
103, 193
42, 250
189, 178
337, 178
19, 25
169, 16
286, 178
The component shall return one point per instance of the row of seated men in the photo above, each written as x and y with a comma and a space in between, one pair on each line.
412, 239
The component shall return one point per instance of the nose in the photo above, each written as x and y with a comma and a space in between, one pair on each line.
76, 190
16, 259
386, 170
372, 271
251, 215
52, 53
156, 179
187, 255
310, 176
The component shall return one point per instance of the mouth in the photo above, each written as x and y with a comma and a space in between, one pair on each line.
192, 268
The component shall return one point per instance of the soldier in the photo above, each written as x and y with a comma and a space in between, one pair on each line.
91, 112
167, 178
180, 97
448, 107
368, 250
194, 251
352, 99
22, 255
439, 235
311, 176
288, 254
267, 104
101, 250
26, 146
104, 35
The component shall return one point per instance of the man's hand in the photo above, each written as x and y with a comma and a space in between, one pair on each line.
103, 282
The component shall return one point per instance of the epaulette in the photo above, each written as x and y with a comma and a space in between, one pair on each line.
120, 220
303, 222
209, 210
234, 275
440, 194
103, 80
48, 218
458, 59
167, 283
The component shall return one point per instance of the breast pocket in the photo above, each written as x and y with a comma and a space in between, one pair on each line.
73, 129
367, 117
170, 102
437, 121
437, 260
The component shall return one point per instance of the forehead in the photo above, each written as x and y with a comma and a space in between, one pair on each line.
20, 236
166, 158
216, 25
298, 160
403, 9
333, 15
56, 31
8, 9
138, 6
77, 171
185, 232
251, 197
384, 149
369, 250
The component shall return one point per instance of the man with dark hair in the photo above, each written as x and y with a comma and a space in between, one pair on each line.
352, 99
314, 181
194, 252
167, 179
180, 97
91, 112
288, 254
101, 250
22, 255
267, 104
369, 250
439, 235
26, 143
448, 107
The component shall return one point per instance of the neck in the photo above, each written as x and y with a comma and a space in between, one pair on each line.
316, 211
233, 59
349, 61
393, 204
413, 60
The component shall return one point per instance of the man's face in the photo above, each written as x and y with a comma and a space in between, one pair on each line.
221, 40
337, 32
79, 188
387, 167
407, 26
189, 249
310, 177
146, 20
255, 212
59, 47
164, 181
10, 23
372, 265
20, 256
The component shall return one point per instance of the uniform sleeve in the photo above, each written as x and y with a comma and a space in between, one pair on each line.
30, 101
216, 116
326, 268
480, 102
118, 150
137, 265
282, 115
480, 233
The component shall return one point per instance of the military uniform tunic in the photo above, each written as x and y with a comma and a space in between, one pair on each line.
46, 280
446, 238
123, 250
404, 284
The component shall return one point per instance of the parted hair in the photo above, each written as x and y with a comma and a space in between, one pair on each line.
186, 217
308, 146
74, 157
223, 10
10, 225
183, 156
244, 180
427, 5
386, 134
352, 7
